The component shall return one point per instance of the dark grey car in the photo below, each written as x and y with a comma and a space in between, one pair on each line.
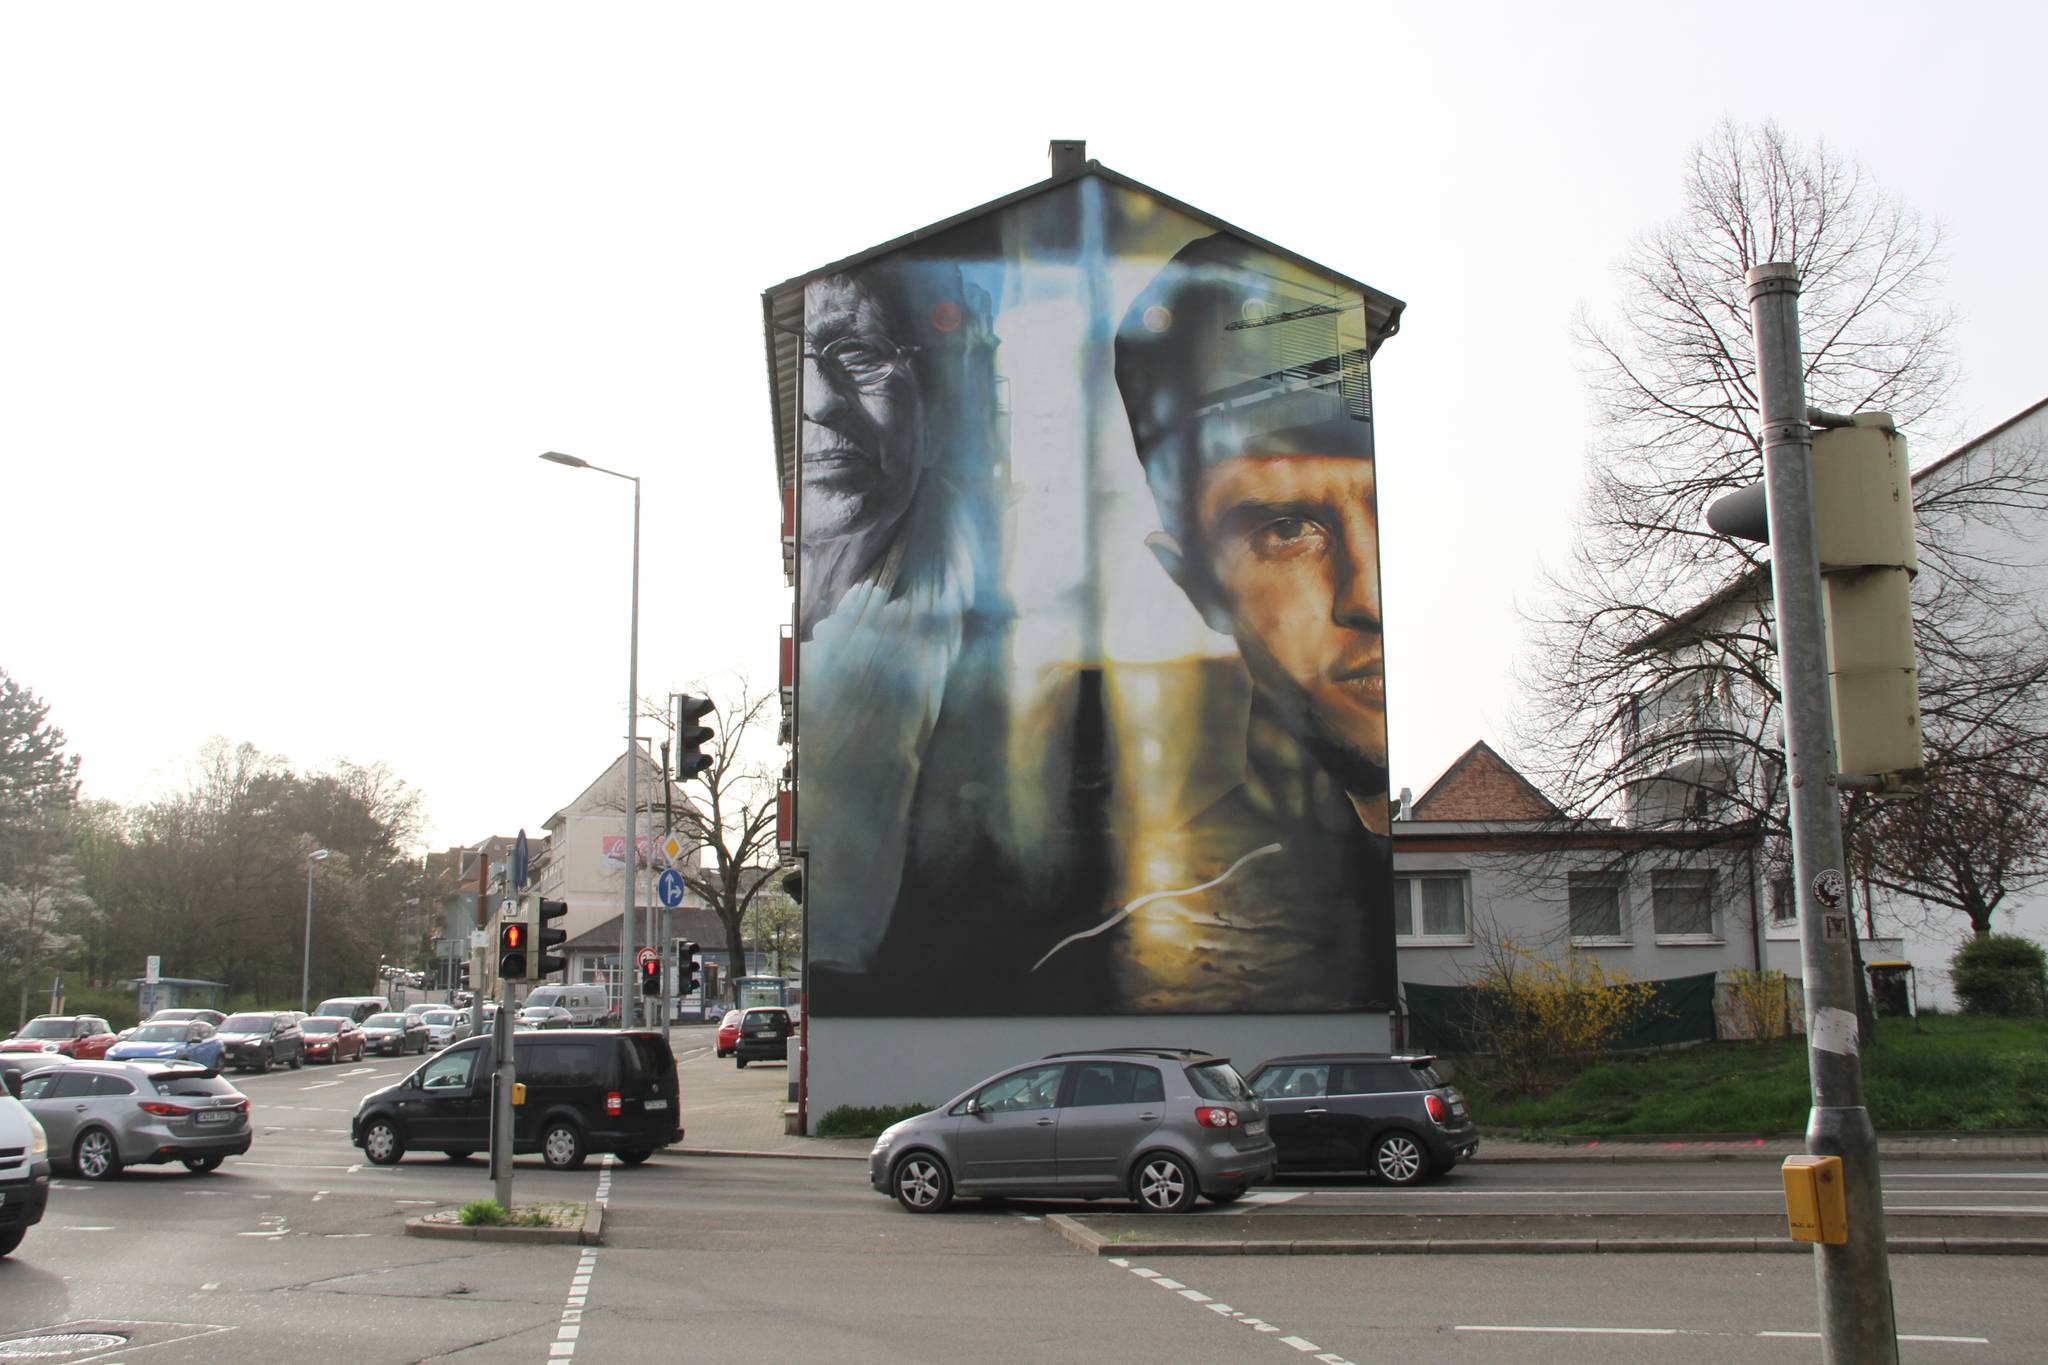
1158, 1126
257, 1041
1387, 1113
102, 1116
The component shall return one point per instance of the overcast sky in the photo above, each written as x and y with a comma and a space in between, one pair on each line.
293, 295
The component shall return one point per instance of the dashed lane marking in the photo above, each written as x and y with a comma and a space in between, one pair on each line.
1229, 1314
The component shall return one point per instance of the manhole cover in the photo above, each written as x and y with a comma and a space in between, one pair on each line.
57, 1345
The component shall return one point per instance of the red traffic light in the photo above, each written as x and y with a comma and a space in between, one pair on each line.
514, 936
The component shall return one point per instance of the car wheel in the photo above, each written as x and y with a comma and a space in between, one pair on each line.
1164, 1184
298, 1061
263, 1067
636, 1156
383, 1143
742, 1063
458, 1154
561, 1146
11, 1239
203, 1165
94, 1156
921, 1183
1226, 1196
1398, 1159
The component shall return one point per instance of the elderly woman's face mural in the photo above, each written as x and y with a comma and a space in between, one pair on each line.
864, 441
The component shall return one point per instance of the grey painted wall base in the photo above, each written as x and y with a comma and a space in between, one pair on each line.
911, 1061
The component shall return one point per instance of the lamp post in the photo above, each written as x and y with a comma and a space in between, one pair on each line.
306, 963
627, 987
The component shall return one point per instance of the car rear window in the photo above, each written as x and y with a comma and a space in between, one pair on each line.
1218, 1080
385, 1021
246, 1023
649, 1055
318, 1025
195, 1086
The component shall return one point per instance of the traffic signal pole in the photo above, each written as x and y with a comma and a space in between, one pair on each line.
1856, 1313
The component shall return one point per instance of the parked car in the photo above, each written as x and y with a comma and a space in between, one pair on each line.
394, 1035
763, 1036
24, 1171
329, 1038
356, 1007
212, 1017
1160, 1126
80, 1036
169, 1040
544, 1016
728, 1033
257, 1041
589, 1006
103, 1116
587, 1091
444, 1026
1387, 1113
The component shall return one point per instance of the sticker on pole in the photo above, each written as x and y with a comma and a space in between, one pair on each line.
1829, 888
1834, 926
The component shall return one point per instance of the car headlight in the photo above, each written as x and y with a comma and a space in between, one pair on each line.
38, 1140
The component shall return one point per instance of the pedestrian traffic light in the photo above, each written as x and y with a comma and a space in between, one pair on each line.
691, 737
512, 937
650, 975
545, 938
686, 967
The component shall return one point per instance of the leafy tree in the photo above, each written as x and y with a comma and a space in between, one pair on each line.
39, 885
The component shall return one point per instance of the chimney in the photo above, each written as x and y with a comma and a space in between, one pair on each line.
1067, 155
1407, 808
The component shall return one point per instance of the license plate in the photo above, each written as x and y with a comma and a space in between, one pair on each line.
657, 1104
1458, 1108
216, 1115
1254, 1129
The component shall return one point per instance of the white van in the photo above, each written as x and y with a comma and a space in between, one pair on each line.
588, 1005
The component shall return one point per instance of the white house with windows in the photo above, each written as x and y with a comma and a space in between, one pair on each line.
1691, 741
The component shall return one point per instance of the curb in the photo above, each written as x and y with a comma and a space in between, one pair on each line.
589, 1233
1583, 1156
768, 1156
1095, 1244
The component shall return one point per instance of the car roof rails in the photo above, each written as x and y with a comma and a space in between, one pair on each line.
1184, 1053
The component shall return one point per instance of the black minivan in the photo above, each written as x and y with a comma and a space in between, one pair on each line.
587, 1090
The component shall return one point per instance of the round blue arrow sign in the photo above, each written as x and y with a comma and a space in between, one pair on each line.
669, 889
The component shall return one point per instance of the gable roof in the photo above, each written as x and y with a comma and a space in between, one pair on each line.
1482, 785
782, 305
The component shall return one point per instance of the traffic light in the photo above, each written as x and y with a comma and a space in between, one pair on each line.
691, 737
650, 975
512, 936
686, 967
545, 938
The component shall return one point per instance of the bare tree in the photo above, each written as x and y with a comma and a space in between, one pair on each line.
1651, 690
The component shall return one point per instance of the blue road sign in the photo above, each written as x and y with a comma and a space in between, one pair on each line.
519, 862
669, 889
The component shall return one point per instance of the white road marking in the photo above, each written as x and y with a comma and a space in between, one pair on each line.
1963, 1175
1941, 1341
1965, 1208
320, 1085
1272, 1196
291, 1166
1574, 1331
1229, 1314
571, 1327
107, 1228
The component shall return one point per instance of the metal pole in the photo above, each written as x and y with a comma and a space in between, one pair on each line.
501, 1101
306, 961
628, 1005
1856, 1314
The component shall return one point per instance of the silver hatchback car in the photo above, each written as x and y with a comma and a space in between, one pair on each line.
1160, 1126
102, 1116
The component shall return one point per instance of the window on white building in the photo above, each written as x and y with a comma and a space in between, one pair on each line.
1596, 907
1682, 903
1784, 904
1431, 907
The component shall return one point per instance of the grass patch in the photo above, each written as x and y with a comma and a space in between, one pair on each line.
852, 1120
482, 1213
489, 1213
1974, 1073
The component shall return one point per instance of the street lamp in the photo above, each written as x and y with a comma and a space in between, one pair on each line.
306, 964
627, 1002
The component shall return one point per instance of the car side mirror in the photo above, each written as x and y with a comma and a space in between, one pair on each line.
974, 1108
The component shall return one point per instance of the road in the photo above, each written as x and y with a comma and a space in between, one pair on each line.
294, 1253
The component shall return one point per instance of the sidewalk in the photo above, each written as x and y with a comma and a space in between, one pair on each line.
730, 1112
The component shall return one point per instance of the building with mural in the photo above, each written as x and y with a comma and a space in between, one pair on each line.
1085, 677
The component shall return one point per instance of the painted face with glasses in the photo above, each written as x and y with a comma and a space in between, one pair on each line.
864, 438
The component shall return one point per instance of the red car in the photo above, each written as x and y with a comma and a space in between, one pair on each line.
331, 1039
83, 1036
728, 1033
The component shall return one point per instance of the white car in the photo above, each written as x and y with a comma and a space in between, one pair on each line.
444, 1026
24, 1171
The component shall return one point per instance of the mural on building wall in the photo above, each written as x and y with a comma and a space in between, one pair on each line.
1092, 700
